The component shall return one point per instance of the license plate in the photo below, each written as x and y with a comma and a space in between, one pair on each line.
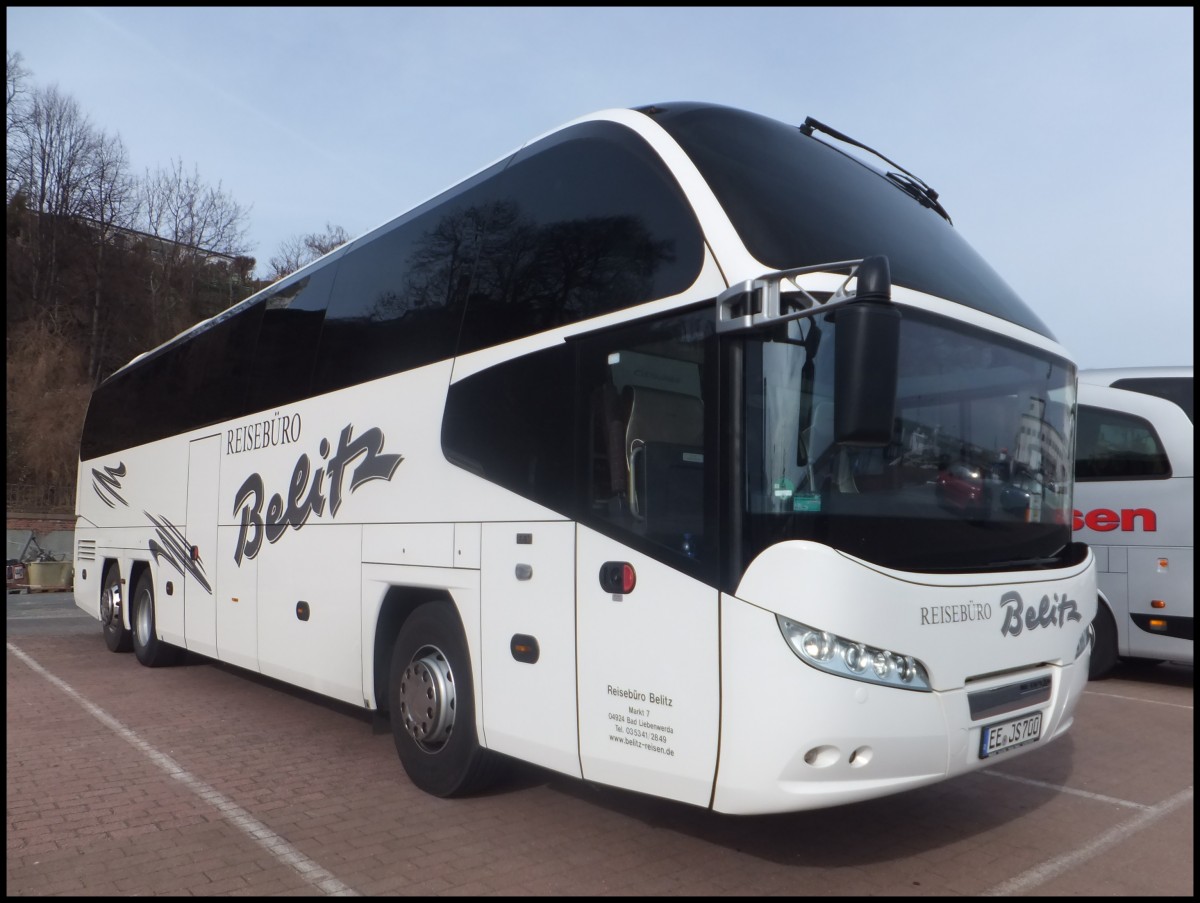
996, 738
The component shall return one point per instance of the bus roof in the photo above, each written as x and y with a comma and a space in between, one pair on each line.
1108, 375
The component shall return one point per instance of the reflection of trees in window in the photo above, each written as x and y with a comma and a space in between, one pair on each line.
589, 265
576, 230
440, 264
523, 278
530, 278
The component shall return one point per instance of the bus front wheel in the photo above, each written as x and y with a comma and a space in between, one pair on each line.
149, 649
1104, 652
432, 705
112, 604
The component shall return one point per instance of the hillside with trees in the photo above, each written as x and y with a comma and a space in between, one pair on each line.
102, 264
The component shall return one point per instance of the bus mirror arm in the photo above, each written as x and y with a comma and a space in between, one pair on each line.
866, 357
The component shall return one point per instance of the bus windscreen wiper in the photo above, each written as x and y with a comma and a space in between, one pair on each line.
905, 180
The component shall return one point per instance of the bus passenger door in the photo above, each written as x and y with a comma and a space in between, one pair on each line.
527, 618
649, 682
199, 585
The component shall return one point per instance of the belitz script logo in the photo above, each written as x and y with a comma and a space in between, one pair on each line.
306, 494
1017, 616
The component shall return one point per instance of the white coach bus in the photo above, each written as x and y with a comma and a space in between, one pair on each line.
682, 450
1133, 505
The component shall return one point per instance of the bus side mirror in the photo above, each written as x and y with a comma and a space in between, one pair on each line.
866, 353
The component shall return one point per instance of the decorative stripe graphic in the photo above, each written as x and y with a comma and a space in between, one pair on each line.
106, 484
176, 550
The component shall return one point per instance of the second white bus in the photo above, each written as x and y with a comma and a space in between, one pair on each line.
1134, 473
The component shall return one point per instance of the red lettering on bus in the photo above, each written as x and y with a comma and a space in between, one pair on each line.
1149, 519
1104, 520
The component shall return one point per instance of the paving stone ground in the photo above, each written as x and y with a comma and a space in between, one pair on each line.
206, 780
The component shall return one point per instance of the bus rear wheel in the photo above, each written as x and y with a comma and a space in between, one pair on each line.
432, 706
149, 649
112, 604
1104, 651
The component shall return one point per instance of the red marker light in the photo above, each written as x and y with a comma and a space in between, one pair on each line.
628, 578
617, 577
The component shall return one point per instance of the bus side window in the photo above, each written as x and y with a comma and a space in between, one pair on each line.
664, 440
513, 425
609, 471
287, 341
653, 469
585, 223
553, 426
183, 386
1111, 445
398, 295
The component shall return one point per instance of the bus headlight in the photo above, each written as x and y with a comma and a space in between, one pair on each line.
849, 658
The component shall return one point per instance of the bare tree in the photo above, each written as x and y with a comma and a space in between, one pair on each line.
16, 112
77, 260
301, 250
111, 204
15, 90
193, 215
191, 219
50, 160
55, 146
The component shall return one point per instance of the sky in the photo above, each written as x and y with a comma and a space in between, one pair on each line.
1060, 140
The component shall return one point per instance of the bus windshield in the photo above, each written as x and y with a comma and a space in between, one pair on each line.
977, 475
796, 201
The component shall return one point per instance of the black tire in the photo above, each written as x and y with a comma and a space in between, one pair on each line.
1104, 652
432, 706
112, 604
149, 649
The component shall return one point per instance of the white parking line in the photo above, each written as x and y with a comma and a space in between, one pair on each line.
1174, 705
1058, 788
1109, 838
283, 851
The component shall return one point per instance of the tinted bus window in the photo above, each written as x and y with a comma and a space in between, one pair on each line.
1116, 446
608, 429
584, 223
398, 294
181, 387
513, 424
799, 201
287, 341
